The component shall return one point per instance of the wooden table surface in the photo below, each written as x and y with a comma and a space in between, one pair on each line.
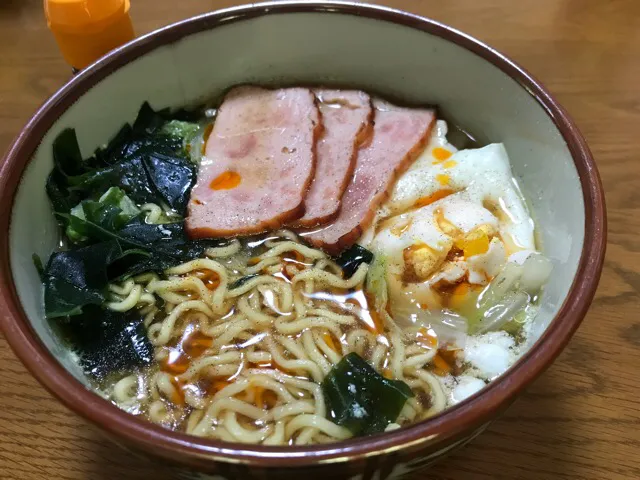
581, 419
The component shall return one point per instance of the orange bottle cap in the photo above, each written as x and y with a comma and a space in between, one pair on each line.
87, 29
83, 15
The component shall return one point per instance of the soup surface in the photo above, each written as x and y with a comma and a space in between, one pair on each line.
293, 266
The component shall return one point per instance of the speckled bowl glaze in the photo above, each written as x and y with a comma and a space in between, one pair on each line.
398, 55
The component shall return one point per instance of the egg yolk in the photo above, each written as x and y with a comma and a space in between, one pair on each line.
449, 164
434, 197
420, 261
441, 154
473, 243
427, 338
443, 179
459, 296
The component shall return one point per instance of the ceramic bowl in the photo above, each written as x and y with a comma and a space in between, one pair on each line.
396, 54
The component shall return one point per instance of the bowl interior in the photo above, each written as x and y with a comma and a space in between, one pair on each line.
315, 48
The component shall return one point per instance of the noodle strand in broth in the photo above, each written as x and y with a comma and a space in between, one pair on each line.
243, 342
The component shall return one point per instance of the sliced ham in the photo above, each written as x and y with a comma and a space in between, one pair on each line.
399, 136
347, 120
259, 162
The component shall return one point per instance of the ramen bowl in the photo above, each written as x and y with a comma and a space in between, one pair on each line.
396, 54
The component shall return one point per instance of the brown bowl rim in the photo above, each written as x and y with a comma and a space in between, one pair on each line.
450, 424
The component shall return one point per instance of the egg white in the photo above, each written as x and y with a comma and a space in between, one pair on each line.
411, 185
420, 227
481, 175
480, 190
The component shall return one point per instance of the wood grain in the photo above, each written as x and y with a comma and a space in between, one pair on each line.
581, 420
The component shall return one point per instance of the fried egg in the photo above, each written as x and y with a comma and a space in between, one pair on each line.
411, 186
453, 216
450, 240
483, 174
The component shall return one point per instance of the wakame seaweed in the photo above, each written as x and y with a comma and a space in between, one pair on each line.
361, 399
167, 245
107, 341
352, 258
164, 245
76, 278
96, 200
66, 154
150, 164
241, 281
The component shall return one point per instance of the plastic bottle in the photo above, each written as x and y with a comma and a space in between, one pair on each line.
87, 29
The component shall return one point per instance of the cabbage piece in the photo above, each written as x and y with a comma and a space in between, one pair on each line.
503, 312
376, 281
510, 292
184, 131
536, 270
196, 145
450, 328
112, 211
505, 281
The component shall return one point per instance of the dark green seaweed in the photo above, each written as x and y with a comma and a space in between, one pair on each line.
361, 399
108, 341
241, 281
148, 163
94, 201
352, 258
76, 278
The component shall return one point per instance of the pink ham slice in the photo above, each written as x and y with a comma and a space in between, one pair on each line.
259, 162
347, 119
399, 136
